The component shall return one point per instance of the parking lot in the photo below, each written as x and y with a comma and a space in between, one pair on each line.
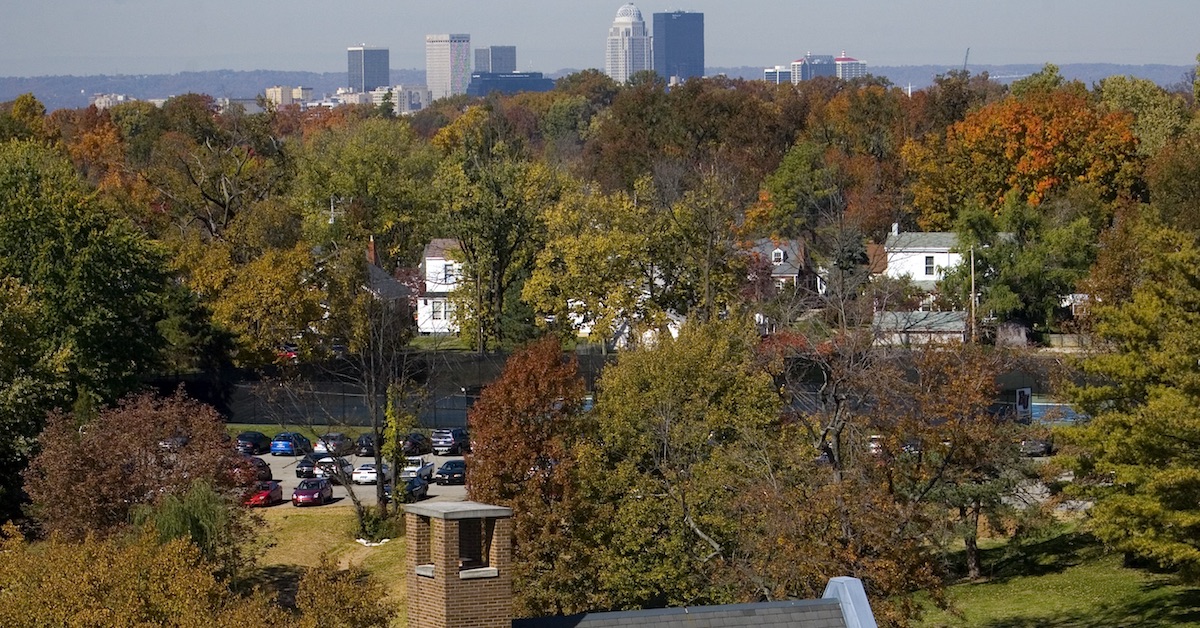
283, 468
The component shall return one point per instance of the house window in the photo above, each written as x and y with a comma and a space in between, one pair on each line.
438, 314
777, 256
929, 265
448, 273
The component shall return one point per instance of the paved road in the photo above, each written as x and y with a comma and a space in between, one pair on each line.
283, 468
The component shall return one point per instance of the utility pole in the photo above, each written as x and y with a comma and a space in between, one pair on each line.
972, 285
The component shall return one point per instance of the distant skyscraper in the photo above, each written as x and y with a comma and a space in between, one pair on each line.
778, 75
679, 45
367, 68
447, 64
849, 68
496, 59
629, 49
810, 66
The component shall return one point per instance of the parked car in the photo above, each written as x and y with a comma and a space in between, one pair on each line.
334, 468
414, 489
1037, 447
416, 444
174, 443
366, 473
253, 443
262, 470
246, 469
417, 467
307, 466
313, 491
365, 445
335, 443
266, 493
290, 444
452, 472
453, 441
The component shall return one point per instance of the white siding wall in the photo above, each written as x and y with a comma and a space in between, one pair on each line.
434, 310
913, 263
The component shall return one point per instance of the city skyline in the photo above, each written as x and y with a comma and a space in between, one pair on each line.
68, 37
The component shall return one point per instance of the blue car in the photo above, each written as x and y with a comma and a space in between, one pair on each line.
290, 444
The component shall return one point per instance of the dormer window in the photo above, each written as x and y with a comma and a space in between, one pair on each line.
448, 273
777, 256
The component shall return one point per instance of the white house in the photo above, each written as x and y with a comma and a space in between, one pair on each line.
439, 277
923, 257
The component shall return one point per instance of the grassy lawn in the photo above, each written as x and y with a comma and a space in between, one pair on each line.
1067, 581
295, 538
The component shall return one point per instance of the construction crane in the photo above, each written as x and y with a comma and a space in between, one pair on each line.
965, 57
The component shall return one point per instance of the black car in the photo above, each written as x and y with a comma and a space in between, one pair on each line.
253, 443
417, 444
248, 469
365, 445
453, 472
413, 490
307, 466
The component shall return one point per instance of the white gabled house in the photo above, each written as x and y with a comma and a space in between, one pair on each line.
923, 257
439, 277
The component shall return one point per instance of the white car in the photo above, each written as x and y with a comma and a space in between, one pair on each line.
333, 468
417, 467
334, 444
367, 474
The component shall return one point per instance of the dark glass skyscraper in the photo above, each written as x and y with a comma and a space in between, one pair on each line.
368, 68
679, 44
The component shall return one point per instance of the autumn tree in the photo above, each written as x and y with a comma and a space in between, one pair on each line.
368, 179
599, 268
492, 199
1138, 460
1158, 117
32, 379
98, 281
138, 452
1027, 259
1172, 176
119, 582
675, 422
22, 118
527, 427
1034, 146
209, 167
342, 598
945, 448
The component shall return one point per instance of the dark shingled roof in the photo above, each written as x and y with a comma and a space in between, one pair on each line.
823, 613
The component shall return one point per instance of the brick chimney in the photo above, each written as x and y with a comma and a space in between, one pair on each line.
459, 565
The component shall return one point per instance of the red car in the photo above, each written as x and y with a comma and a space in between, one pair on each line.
313, 491
265, 494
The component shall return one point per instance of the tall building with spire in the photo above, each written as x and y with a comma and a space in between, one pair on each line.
447, 64
629, 50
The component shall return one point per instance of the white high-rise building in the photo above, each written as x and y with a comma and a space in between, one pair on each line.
447, 64
849, 67
629, 49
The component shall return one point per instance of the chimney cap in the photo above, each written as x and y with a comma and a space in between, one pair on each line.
458, 510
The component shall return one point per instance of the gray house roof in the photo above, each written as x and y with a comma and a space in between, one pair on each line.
922, 322
385, 286
795, 257
822, 613
921, 241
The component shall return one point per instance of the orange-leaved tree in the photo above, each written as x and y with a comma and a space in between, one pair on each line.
524, 432
1035, 146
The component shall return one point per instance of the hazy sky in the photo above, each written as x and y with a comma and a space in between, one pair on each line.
80, 37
